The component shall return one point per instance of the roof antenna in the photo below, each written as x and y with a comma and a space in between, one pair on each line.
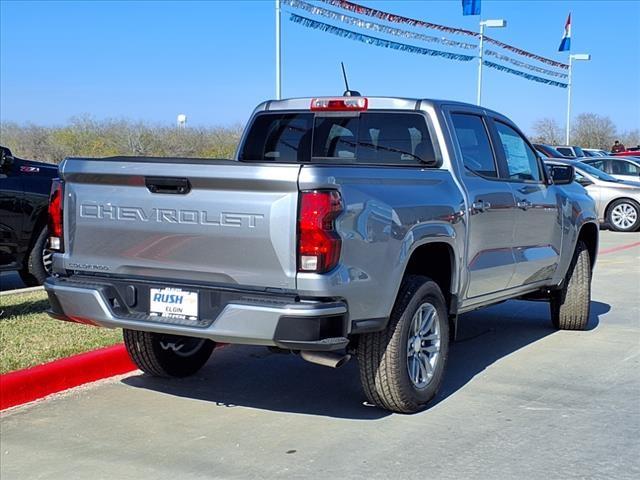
347, 92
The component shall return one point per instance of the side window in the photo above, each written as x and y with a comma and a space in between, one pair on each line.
599, 164
522, 162
565, 151
473, 140
620, 167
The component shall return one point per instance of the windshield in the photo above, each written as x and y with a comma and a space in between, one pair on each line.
594, 172
383, 138
552, 152
579, 152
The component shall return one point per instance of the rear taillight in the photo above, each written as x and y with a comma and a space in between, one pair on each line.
318, 243
340, 104
55, 216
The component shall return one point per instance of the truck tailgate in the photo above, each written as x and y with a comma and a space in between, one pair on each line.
236, 224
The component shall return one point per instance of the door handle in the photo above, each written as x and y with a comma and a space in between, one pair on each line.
170, 185
524, 204
480, 206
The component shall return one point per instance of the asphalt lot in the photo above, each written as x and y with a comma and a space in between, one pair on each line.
520, 400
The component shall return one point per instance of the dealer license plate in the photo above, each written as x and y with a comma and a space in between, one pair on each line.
173, 303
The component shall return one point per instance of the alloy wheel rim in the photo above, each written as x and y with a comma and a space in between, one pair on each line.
624, 215
423, 345
47, 260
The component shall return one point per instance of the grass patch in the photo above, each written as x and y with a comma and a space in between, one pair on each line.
28, 336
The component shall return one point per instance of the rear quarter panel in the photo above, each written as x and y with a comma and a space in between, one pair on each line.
388, 213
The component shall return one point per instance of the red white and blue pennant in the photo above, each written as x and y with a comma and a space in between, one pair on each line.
380, 28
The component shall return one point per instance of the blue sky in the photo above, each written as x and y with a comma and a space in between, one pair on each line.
214, 60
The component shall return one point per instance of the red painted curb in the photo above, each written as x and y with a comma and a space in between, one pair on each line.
26, 385
617, 249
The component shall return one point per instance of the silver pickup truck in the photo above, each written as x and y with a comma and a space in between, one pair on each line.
344, 226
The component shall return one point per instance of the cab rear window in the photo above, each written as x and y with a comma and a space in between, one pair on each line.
369, 138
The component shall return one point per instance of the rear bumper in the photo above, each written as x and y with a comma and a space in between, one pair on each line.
240, 317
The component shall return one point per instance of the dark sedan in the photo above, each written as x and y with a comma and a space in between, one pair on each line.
549, 151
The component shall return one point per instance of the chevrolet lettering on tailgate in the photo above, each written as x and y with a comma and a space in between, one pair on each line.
169, 215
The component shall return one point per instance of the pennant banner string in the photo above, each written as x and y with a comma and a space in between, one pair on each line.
404, 33
528, 76
389, 17
356, 22
379, 42
526, 65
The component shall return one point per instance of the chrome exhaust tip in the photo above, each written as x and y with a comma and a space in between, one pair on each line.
326, 359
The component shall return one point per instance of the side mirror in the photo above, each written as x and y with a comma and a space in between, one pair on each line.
562, 174
585, 182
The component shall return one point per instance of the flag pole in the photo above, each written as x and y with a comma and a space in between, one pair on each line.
278, 54
495, 23
480, 55
567, 134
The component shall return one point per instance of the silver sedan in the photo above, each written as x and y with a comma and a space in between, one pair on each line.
617, 201
622, 168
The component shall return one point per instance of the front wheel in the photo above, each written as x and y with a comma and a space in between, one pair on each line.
401, 367
624, 215
163, 355
570, 305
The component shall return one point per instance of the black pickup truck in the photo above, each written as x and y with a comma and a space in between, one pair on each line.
24, 195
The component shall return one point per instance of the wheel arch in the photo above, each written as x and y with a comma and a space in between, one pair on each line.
436, 259
589, 235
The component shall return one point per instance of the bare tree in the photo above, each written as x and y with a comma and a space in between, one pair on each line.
547, 130
591, 130
630, 138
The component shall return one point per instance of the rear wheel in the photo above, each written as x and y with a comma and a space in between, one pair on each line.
623, 215
39, 262
163, 355
570, 305
401, 367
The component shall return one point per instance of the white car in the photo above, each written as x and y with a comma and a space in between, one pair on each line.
623, 168
617, 201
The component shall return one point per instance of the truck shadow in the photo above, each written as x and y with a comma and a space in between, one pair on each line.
254, 377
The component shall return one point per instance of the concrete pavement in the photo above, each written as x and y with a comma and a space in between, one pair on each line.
520, 400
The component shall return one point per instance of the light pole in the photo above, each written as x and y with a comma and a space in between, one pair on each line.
278, 65
577, 56
491, 24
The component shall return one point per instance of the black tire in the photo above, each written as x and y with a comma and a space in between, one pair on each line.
615, 219
570, 305
160, 354
383, 356
36, 270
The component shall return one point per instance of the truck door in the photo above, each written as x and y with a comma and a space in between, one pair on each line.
11, 214
490, 260
538, 233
